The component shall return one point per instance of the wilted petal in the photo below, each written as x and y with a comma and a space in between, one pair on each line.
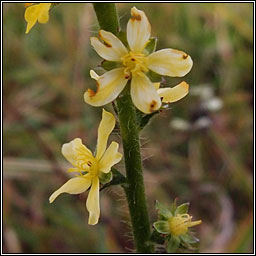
112, 49
106, 126
170, 62
72, 149
110, 158
144, 95
174, 94
109, 86
93, 202
138, 30
75, 185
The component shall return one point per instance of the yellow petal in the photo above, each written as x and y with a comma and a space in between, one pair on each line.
138, 30
170, 62
36, 12
156, 85
110, 158
75, 185
174, 94
112, 49
74, 149
93, 202
44, 13
144, 95
106, 126
31, 15
109, 86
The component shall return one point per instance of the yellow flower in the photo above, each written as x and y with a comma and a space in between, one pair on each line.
90, 167
36, 12
134, 64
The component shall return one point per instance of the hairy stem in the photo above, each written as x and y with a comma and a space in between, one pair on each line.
134, 188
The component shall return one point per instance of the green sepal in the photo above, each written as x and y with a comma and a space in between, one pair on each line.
173, 244
189, 239
154, 77
181, 209
143, 119
118, 179
162, 227
163, 212
105, 177
174, 206
109, 65
157, 237
151, 46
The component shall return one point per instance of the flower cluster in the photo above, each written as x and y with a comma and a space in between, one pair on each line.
133, 59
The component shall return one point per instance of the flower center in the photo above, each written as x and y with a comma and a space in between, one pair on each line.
86, 163
179, 224
135, 64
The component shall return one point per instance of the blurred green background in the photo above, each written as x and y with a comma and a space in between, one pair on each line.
199, 150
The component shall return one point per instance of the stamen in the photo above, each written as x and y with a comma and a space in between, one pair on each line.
135, 63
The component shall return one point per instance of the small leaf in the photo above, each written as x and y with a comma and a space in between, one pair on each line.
173, 244
105, 177
151, 46
189, 239
163, 212
181, 209
162, 227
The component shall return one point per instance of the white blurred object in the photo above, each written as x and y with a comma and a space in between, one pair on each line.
213, 104
202, 123
180, 124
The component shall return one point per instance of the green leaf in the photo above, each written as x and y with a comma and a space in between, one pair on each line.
105, 177
189, 239
109, 65
163, 212
151, 46
181, 209
162, 227
173, 244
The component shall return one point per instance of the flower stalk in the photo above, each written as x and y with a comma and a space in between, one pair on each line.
134, 188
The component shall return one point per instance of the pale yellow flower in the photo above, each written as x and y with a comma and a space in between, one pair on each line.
36, 12
135, 62
90, 167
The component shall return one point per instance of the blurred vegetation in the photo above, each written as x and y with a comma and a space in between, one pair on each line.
199, 150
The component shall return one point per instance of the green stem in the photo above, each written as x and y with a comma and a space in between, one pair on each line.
134, 189
107, 17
